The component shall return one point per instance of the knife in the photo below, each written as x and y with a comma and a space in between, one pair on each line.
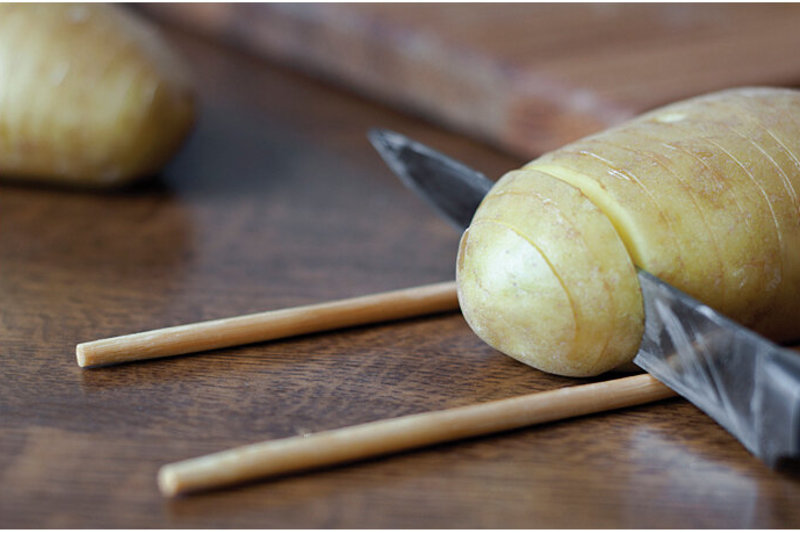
746, 383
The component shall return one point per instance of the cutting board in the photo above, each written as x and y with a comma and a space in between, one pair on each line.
525, 77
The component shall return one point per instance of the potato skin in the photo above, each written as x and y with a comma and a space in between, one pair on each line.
544, 277
702, 193
90, 95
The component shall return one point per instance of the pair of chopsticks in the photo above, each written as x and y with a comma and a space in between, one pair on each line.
349, 444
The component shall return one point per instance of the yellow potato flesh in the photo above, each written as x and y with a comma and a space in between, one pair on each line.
89, 94
702, 193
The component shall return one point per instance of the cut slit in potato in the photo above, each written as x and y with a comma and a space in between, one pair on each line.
585, 326
702, 193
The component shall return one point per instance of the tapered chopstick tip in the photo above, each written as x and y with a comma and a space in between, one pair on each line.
168, 482
80, 355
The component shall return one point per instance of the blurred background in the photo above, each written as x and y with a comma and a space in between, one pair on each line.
524, 77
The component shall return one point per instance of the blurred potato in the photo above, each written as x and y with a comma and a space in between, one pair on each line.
89, 95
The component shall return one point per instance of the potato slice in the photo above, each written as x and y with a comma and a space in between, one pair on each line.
562, 254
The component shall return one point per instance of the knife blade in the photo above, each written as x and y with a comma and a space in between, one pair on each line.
410, 160
746, 383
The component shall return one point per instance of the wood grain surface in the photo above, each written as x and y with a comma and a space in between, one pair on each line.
278, 200
526, 77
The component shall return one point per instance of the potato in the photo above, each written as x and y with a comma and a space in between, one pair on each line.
89, 94
702, 193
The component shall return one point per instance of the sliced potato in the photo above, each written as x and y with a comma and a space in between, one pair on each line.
89, 94
594, 310
703, 193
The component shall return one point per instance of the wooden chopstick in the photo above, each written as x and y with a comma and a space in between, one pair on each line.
384, 437
270, 325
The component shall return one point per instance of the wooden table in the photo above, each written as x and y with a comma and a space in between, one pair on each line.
278, 200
